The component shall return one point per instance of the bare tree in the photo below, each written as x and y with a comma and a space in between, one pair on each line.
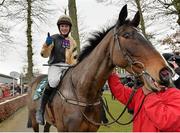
169, 7
73, 14
29, 12
168, 12
172, 41
5, 37
135, 4
2, 3
140, 6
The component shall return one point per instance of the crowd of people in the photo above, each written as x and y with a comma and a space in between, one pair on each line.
173, 60
6, 90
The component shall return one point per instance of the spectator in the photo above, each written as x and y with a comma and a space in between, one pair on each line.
1, 92
174, 61
177, 70
6, 91
18, 89
160, 111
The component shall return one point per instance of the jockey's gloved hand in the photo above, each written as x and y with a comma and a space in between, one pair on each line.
49, 39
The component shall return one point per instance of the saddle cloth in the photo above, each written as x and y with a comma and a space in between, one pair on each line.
43, 84
40, 88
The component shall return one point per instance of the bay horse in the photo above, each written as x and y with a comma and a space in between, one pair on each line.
79, 92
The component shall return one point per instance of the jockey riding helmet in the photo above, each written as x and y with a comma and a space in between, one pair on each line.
64, 19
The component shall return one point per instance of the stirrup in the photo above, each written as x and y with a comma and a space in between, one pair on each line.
40, 117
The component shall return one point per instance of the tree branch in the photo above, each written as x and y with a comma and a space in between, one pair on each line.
165, 4
2, 3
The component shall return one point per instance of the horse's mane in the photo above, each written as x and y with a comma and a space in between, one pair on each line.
95, 40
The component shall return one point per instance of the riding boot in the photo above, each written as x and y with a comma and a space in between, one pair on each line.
44, 100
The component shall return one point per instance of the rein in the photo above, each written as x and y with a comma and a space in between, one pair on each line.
77, 101
130, 98
83, 104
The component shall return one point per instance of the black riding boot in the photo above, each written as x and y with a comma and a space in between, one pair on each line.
44, 100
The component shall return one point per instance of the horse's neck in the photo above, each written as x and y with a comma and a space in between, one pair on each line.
94, 70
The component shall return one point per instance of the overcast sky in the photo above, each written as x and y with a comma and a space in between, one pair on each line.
92, 16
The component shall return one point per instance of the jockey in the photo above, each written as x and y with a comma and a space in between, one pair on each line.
62, 50
160, 111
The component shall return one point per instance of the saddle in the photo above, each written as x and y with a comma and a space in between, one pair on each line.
44, 84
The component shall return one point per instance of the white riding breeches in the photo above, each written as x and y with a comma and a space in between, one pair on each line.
54, 74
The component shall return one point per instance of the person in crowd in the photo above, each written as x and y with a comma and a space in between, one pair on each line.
1, 92
18, 89
174, 62
160, 111
61, 49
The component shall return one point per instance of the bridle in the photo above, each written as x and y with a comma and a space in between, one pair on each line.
131, 62
125, 53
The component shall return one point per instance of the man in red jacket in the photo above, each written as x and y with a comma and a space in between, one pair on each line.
159, 112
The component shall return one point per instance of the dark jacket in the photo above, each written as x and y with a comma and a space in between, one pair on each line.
177, 81
57, 53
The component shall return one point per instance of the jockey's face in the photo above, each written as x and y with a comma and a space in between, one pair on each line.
64, 29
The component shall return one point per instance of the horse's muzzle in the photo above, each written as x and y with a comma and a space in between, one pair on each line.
166, 76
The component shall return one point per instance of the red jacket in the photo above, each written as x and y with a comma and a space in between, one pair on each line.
160, 111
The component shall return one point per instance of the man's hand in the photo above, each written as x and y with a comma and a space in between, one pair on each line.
49, 39
175, 65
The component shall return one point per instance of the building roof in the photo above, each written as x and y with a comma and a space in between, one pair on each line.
6, 76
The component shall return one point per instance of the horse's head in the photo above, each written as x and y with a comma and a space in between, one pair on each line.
132, 51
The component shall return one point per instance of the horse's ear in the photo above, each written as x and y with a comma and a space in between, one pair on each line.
136, 20
122, 16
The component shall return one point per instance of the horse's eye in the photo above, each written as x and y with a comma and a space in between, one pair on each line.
126, 35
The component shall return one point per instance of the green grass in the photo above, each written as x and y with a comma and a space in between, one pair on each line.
116, 108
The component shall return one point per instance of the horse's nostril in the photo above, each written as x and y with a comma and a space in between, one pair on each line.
165, 76
164, 73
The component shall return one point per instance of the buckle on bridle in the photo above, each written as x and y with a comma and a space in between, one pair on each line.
137, 74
